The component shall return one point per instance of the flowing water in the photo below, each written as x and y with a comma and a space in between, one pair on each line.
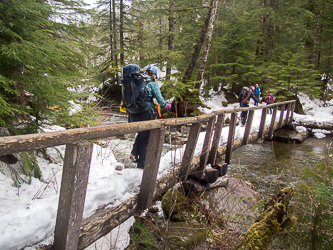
271, 166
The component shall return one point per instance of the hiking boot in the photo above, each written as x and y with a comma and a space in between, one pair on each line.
133, 159
140, 165
244, 125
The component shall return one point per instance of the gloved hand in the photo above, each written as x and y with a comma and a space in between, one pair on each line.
168, 106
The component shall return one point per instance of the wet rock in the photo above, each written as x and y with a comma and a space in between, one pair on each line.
234, 203
290, 136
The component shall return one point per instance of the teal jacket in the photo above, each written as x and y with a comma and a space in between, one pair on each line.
153, 90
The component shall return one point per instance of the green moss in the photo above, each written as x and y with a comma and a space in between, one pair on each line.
260, 233
194, 240
178, 204
225, 104
178, 217
142, 237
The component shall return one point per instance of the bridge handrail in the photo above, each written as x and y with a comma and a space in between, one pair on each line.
22, 143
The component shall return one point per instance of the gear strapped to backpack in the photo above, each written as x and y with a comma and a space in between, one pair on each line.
243, 94
134, 91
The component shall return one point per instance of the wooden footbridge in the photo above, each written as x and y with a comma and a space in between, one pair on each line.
71, 231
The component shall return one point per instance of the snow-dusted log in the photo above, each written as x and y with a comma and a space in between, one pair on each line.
318, 125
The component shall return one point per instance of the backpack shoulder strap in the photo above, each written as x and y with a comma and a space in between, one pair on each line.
133, 89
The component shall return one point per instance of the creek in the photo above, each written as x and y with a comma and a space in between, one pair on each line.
272, 165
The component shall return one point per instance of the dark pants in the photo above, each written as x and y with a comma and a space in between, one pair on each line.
141, 141
244, 113
255, 102
244, 117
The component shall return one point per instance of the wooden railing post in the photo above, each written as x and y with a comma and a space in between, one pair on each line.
216, 140
271, 128
72, 195
248, 127
288, 112
281, 115
262, 123
189, 151
292, 112
206, 147
150, 170
231, 136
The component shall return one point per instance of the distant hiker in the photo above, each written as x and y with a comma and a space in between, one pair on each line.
138, 154
244, 100
269, 100
257, 93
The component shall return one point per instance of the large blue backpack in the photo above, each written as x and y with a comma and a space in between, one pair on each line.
134, 90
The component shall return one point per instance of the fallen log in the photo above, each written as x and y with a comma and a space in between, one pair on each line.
318, 125
271, 220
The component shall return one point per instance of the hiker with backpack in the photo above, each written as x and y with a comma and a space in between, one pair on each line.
139, 90
244, 99
269, 100
257, 93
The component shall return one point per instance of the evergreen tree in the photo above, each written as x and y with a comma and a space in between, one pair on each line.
233, 46
43, 52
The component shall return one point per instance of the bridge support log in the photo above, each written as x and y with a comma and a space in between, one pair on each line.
72, 195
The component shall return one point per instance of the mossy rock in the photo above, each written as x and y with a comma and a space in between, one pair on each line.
225, 104
179, 202
186, 236
142, 237
178, 217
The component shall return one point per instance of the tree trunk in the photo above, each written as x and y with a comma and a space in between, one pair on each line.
121, 33
161, 40
114, 31
197, 47
188, 72
170, 39
140, 38
207, 44
271, 31
316, 42
111, 39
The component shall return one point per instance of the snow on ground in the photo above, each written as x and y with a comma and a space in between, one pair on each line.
28, 212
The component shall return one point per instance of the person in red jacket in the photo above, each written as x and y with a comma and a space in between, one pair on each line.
269, 100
